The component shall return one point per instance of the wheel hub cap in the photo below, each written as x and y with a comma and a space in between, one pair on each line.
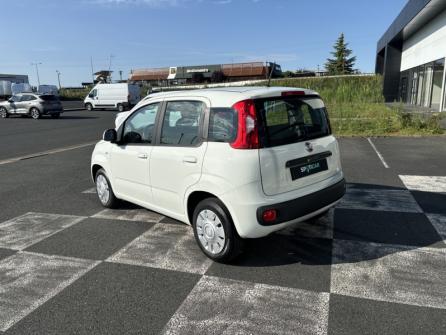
102, 189
211, 233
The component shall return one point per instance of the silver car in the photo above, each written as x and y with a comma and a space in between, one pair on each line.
34, 105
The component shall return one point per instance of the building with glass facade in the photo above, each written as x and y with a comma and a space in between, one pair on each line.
411, 56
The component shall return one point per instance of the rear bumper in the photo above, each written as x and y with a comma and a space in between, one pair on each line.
303, 206
244, 204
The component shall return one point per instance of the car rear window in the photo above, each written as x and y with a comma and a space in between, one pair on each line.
222, 125
49, 98
291, 120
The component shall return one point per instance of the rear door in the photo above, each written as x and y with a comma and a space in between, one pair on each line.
177, 160
297, 148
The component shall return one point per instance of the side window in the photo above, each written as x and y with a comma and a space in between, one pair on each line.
139, 127
24, 97
93, 93
32, 97
15, 98
181, 124
222, 125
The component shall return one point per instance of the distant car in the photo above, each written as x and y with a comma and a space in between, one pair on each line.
30, 104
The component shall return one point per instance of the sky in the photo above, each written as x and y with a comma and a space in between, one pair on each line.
64, 35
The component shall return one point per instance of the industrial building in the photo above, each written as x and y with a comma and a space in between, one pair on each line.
15, 78
206, 73
411, 56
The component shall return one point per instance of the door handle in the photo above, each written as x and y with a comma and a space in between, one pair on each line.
190, 159
143, 156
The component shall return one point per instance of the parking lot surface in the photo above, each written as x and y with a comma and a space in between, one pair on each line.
376, 264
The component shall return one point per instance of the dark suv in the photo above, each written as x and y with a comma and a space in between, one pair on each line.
34, 105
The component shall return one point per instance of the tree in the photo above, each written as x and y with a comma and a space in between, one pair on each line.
342, 63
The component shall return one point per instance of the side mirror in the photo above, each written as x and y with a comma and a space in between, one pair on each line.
10, 100
110, 135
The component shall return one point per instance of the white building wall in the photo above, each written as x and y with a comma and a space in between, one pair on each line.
426, 45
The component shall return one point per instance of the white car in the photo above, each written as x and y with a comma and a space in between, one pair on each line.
234, 163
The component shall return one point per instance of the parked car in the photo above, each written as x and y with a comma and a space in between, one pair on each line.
34, 105
116, 96
234, 163
48, 89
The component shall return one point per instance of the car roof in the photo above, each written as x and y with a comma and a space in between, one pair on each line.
227, 96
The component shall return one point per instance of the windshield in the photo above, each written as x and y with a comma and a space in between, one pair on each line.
290, 120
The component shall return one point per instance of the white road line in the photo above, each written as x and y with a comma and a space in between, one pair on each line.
385, 272
225, 306
378, 153
45, 153
28, 280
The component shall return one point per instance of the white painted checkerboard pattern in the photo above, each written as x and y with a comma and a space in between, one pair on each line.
382, 272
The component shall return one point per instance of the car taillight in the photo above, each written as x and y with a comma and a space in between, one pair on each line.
247, 133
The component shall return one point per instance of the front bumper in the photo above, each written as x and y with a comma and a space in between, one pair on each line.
303, 206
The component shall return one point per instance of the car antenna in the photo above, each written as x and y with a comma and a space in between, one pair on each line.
273, 65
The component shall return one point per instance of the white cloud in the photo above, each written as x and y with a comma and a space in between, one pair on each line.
222, 2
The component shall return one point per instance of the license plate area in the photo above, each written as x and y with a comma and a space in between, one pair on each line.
308, 169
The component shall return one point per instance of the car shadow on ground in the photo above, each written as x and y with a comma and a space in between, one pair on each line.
356, 223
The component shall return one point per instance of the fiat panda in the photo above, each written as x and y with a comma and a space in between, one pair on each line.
234, 163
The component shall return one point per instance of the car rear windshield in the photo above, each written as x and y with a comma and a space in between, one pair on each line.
291, 120
49, 98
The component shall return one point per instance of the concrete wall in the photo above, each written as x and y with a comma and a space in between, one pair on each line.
427, 45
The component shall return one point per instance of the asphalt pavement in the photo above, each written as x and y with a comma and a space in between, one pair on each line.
374, 265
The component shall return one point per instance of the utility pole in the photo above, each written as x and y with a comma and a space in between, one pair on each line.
120, 74
92, 72
37, 71
58, 78
109, 65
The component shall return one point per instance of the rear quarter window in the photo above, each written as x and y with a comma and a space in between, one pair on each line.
222, 125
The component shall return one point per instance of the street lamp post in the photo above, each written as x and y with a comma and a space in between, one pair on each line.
37, 71
58, 78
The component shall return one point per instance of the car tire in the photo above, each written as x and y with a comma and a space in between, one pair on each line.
104, 190
55, 115
89, 107
215, 232
121, 108
34, 113
4, 113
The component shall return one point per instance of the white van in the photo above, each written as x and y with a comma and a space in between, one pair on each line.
234, 163
119, 96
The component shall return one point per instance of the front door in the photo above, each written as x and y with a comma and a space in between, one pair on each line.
14, 104
130, 159
176, 162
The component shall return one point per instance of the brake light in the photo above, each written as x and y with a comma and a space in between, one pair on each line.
247, 133
291, 93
